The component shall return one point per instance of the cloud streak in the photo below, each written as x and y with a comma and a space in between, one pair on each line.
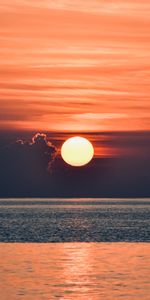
60, 59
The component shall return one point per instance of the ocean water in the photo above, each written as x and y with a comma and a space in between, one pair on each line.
74, 220
75, 271
74, 249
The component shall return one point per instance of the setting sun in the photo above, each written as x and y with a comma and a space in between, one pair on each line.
77, 151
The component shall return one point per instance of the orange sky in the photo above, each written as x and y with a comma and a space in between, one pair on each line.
75, 65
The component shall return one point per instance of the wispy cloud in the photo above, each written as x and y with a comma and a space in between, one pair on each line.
100, 116
91, 6
75, 62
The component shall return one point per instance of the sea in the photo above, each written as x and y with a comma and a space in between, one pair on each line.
75, 249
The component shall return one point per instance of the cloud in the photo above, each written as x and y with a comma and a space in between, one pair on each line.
26, 164
39, 147
91, 6
63, 53
100, 116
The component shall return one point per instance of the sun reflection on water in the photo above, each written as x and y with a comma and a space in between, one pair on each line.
75, 271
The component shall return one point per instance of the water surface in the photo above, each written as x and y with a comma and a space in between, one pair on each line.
74, 220
77, 271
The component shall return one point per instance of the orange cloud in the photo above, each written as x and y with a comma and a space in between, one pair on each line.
75, 65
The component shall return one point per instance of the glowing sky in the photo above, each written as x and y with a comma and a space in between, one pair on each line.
75, 65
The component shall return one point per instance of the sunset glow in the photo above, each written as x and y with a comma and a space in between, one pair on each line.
75, 149
75, 65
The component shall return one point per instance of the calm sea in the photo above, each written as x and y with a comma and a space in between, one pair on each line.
74, 220
96, 249
75, 271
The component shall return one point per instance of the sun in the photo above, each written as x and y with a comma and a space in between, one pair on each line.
77, 151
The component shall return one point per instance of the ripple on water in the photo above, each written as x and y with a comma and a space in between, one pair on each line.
75, 271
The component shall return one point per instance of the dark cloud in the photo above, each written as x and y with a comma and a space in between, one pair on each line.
43, 147
25, 165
